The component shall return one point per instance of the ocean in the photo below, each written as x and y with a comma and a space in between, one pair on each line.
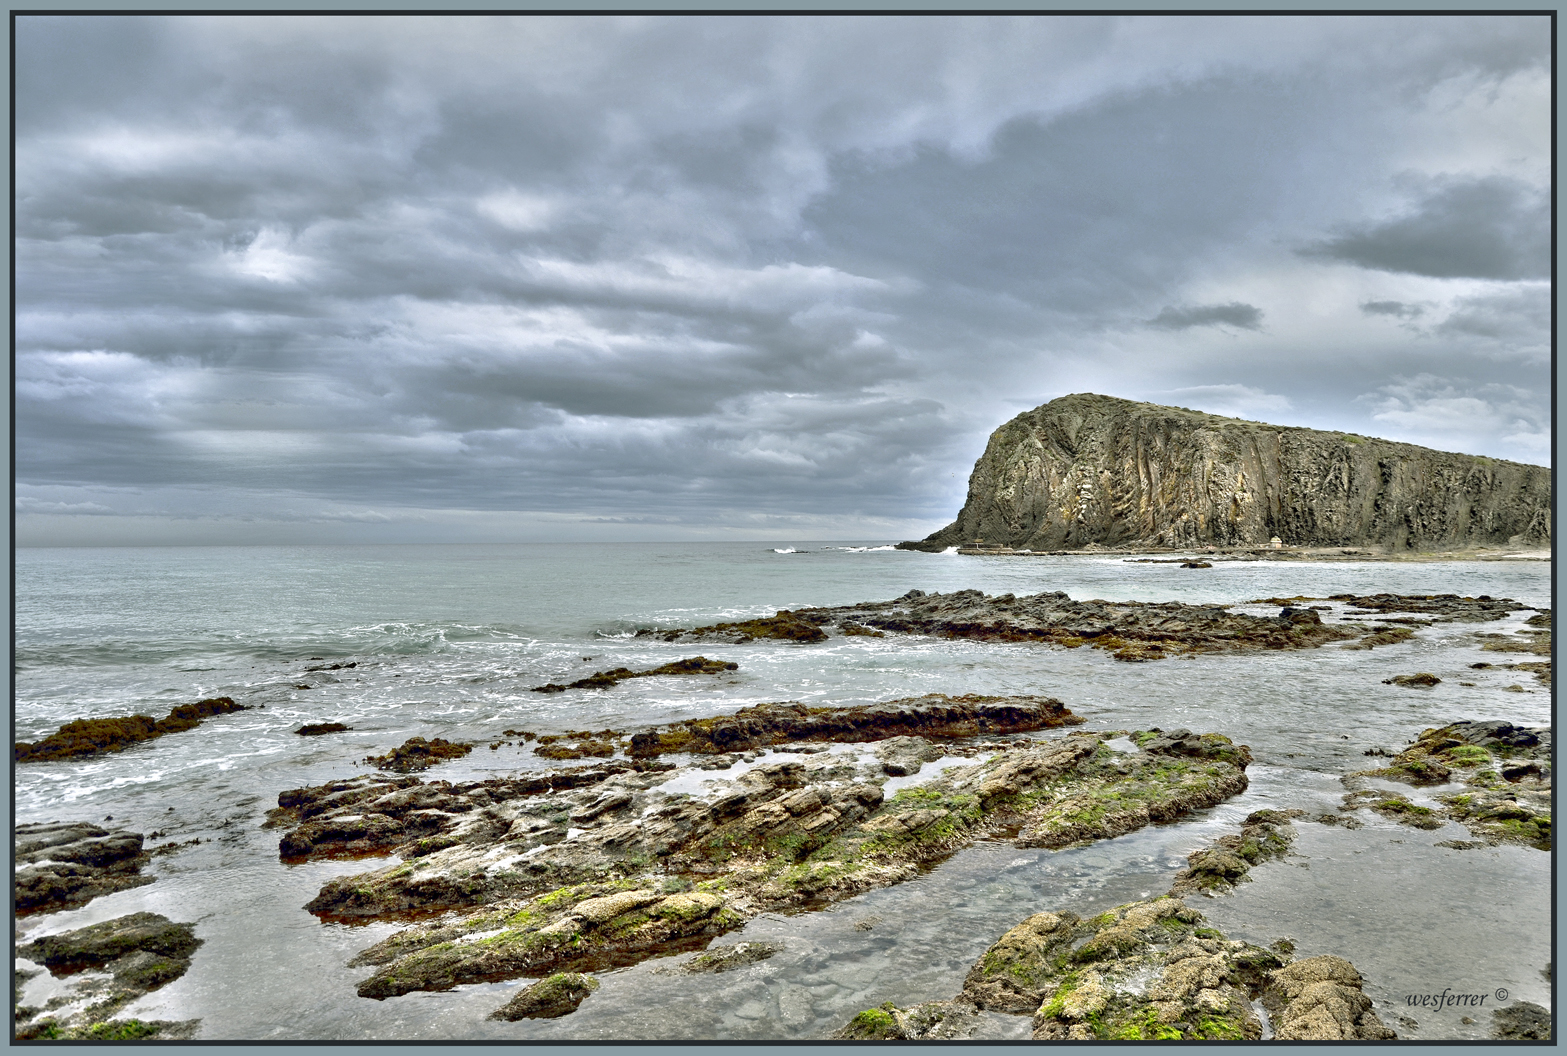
447, 641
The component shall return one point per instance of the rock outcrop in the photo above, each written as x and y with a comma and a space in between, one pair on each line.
1088, 469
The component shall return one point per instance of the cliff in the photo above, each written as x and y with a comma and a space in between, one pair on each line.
1094, 469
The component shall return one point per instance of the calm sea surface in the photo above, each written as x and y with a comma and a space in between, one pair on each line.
448, 640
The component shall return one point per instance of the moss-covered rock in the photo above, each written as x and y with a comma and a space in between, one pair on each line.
550, 998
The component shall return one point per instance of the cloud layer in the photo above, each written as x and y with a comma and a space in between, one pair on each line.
453, 277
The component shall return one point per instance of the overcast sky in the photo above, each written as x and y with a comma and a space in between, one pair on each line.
477, 278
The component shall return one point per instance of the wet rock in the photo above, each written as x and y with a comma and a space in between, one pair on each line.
901, 756
1320, 999
319, 728
1521, 1021
933, 715
1423, 680
416, 753
932, 1021
1196, 564
407, 816
727, 958
550, 998
63, 865
1129, 631
98, 944
786, 625
783, 836
1264, 835
1494, 806
1196, 746
696, 665
91, 736
1455, 607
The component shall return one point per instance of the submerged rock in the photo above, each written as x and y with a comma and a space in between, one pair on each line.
726, 958
1521, 1021
63, 865
1129, 631
618, 872
91, 736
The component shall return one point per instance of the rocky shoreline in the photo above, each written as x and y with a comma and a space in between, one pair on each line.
670, 837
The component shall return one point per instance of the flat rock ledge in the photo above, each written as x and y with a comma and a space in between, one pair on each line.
1149, 971
619, 870
65, 865
111, 964
1129, 631
1506, 774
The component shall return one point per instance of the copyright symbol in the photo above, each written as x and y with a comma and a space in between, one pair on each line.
1501, 993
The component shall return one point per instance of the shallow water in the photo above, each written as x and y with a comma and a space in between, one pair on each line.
448, 641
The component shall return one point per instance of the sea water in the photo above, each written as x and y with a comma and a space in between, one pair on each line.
449, 641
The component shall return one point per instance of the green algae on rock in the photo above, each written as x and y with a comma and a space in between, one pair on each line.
1144, 971
140, 953
90, 736
786, 837
550, 998
1505, 768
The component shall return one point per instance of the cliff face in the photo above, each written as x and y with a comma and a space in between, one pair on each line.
1093, 469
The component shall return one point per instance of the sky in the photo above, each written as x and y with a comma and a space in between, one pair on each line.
314, 279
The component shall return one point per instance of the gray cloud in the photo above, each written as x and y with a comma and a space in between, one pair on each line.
1491, 228
679, 270
1241, 316
1396, 309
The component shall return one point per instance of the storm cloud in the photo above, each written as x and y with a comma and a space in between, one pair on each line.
450, 277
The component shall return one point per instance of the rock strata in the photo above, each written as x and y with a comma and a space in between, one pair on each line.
620, 870
1093, 470
63, 865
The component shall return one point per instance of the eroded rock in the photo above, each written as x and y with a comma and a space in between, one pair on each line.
63, 865
784, 835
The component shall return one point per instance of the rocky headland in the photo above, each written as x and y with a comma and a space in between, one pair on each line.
1094, 470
